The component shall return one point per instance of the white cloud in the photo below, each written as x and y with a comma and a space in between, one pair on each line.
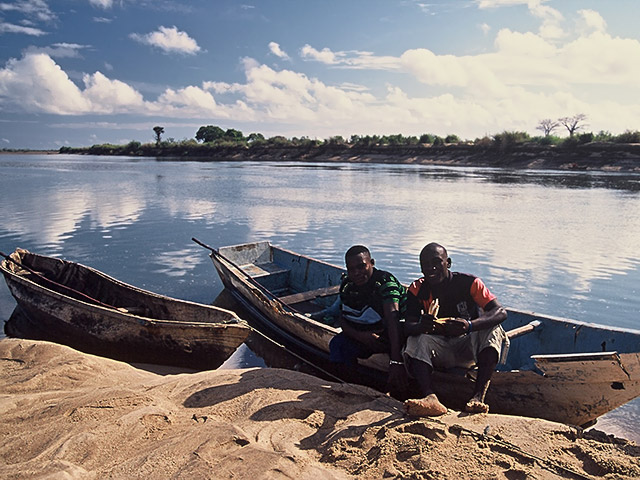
110, 96
37, 84
277, 51
500, 3
37, 9
485, 28
349, 59
59, 50
552, 19
10, 28
590, 21
169, 40
105, 4
551, 26
325, 55
525, 77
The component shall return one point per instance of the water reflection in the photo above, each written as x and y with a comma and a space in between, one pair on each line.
550, 241
562, 243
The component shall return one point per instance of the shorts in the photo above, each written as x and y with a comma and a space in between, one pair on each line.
442, 352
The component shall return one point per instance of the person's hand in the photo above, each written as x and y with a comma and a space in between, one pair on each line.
426, 323
454, 327
372, 341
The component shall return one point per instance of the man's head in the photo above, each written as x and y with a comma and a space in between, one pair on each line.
434, 263
359, 264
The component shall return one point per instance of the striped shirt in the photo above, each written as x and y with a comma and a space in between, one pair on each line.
362, 306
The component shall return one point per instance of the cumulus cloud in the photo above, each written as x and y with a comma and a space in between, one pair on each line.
325, 55
110, 96
524, 77
277, 51
37, 84
169, 40
590, 21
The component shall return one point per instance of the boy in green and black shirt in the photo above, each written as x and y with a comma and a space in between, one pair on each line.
372, 303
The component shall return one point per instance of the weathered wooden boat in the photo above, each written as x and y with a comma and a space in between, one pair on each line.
556, 369
81, 307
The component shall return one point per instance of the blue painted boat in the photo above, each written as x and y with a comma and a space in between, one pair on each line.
556, 369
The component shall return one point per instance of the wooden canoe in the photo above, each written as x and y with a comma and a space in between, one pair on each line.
88, 310
556, 369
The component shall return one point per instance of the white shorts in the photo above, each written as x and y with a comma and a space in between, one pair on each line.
442, 352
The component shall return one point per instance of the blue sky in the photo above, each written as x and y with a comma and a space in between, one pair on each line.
82, 72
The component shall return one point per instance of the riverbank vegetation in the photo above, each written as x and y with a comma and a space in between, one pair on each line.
512, 149
213, 139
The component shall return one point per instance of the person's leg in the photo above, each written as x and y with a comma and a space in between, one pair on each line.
428, 405
341, 350
487, 361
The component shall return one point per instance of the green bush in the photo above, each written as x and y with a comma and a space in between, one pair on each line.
628, 137
603, 136
483, 142
427, 138
570, 142
507, 139
585, 138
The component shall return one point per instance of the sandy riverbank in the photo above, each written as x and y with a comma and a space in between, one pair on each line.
70, 415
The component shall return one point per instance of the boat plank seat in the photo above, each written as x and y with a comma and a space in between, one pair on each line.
270, 275
263, 269
310, 295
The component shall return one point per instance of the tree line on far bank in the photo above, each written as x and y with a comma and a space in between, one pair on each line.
211, 137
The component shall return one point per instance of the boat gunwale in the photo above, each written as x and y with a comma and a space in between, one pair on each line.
252, 282
112, 311
565, 320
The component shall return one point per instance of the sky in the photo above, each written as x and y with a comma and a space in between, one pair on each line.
85, 72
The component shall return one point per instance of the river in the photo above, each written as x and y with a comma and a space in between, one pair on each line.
561, 243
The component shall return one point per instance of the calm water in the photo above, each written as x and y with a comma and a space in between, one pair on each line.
562, 243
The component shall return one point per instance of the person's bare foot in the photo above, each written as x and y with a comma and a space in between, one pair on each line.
428, 406
476, 405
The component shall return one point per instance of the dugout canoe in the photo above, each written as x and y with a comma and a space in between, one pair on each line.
83, 308
557, 369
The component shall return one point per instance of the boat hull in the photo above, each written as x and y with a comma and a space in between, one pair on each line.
167, 331
562, 370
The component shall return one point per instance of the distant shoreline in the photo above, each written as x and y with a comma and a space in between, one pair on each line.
29, 152
611, 157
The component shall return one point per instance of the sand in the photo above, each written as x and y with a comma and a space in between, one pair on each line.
65, 414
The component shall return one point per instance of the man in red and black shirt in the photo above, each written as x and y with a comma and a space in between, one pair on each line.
467, 332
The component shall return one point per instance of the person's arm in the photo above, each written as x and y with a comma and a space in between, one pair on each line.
493, 314
368, 338
415, 322
392, 320
331, 311
397, 381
